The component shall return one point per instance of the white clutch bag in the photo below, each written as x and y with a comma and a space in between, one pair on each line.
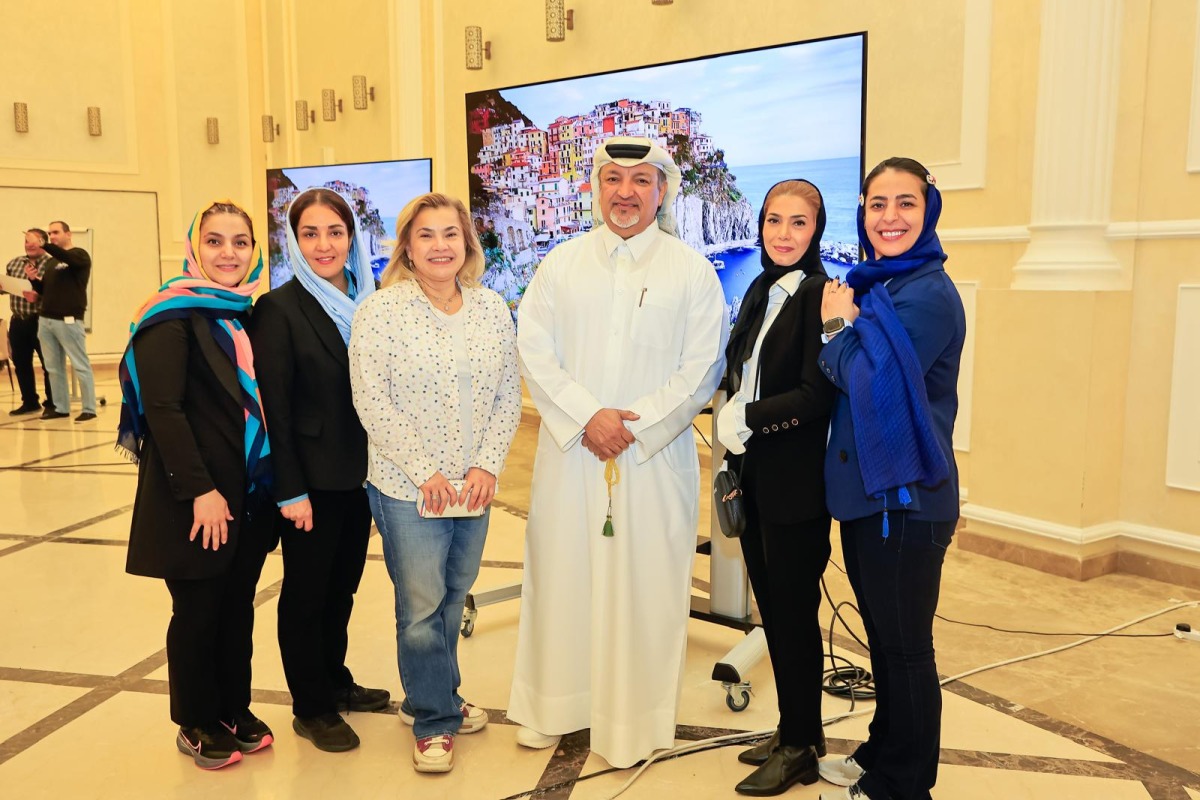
450, 511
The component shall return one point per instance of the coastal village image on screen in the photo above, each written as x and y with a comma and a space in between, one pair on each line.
376, 192
530, 180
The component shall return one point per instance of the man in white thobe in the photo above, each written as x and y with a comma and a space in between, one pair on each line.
621, 335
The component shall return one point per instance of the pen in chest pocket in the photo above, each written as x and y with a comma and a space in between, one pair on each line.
642, 298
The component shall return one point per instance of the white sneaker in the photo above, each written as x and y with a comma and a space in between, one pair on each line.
849, 793
528, 737
841, 772
474, 718
434, 753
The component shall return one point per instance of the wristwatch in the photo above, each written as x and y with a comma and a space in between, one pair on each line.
834, 326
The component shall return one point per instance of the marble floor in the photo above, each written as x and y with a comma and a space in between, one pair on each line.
83, 704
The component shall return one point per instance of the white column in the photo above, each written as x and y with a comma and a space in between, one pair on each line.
1073, 150
409, 39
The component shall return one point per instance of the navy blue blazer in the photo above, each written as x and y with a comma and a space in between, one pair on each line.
930, 309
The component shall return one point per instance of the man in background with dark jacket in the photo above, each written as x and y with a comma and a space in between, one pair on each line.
63, 289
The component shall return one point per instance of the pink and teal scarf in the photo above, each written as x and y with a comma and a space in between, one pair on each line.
180, 297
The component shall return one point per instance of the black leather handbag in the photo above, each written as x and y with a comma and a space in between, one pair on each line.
730, 503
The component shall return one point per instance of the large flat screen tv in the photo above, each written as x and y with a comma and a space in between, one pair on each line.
736, 123
376, 190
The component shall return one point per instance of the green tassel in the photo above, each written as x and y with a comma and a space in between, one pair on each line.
608, 529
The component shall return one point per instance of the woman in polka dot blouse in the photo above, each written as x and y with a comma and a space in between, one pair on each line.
433, 367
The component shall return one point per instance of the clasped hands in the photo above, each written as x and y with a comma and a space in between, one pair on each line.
838, 301
479, 489
605, 435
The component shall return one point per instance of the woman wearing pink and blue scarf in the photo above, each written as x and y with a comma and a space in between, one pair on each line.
895, 333
192, 419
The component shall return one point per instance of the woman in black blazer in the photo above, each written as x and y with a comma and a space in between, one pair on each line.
192, 420
774, 427
300, 332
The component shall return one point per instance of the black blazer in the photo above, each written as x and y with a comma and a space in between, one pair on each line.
317, 441
783, 468
194, 444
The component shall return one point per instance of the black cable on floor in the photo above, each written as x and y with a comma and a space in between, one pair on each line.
850, 680
1054, 633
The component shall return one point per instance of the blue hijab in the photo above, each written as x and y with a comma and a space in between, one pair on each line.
893, 427
360, 280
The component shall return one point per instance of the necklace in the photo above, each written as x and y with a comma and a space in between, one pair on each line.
443, 302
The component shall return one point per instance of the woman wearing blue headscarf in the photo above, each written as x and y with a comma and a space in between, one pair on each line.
895, 333
300, 333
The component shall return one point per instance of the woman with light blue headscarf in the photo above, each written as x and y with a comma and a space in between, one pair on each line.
301, 331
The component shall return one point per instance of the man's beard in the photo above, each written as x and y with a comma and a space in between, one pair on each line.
629, 223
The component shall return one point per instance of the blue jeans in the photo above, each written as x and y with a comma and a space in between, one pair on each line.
896, 582
61, 341
433, 563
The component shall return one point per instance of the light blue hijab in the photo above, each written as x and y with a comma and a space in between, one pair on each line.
361, 281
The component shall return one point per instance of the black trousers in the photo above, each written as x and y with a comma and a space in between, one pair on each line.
321, 572
23, 339
785, 564
210, 638
897, 581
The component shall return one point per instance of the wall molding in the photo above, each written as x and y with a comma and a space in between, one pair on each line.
1144, 231
129, 165
968, 291
970, 170
1182, 467
1008, 233
1093, 534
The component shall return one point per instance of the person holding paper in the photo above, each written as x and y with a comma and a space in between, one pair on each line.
26, 306
433, 368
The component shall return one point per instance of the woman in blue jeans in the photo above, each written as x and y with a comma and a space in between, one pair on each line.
433, 368
894, 333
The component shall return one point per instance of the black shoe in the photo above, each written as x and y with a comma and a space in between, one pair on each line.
757, 755
251, 733
50, 413
210, 748
329, 732
785, 767
360, 698
27, 408
85, 416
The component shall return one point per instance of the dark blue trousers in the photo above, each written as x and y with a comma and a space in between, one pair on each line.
896, 582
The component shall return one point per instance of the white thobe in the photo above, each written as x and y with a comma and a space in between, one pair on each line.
637, 325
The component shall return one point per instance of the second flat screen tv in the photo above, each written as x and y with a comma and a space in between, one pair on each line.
376, 191
736, 123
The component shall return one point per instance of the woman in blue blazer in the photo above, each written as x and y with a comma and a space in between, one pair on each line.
894, 333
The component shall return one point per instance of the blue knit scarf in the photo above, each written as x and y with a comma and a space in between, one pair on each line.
893, 427
361, 281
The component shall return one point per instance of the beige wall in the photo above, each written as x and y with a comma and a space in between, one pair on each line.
1069, 410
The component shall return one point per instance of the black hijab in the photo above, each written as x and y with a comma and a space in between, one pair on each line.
754, 304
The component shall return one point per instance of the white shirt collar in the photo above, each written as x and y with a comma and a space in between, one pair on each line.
638, 245
790, 282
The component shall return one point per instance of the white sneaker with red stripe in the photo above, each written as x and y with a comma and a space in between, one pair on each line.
434, 753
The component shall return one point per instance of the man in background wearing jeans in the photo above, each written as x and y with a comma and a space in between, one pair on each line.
63, 288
